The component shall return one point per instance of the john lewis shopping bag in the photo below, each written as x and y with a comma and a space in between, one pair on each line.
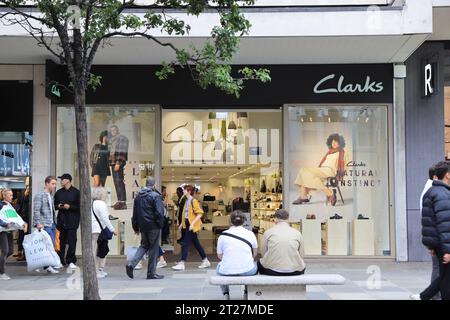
39, 250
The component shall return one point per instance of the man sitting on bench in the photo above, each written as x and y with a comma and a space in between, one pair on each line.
282, 249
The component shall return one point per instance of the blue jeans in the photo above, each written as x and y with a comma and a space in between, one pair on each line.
51, 232
252, 272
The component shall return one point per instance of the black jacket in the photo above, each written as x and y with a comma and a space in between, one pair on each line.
68, 219
148, 211
436, 217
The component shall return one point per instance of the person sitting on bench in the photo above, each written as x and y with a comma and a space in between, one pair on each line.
282, 249
236, 248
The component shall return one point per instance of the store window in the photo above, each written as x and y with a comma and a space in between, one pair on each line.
338, 178
121, 146
233, 157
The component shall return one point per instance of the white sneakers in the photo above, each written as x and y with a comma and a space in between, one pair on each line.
72, 266
138, 266
205, 264
179, 266
3, 276
415, 297
161, 264
101, 273
52, 270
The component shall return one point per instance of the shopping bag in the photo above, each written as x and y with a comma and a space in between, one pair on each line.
131, 251
39, 250
8, 214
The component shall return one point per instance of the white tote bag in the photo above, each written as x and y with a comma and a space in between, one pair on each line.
39, 250
9, 215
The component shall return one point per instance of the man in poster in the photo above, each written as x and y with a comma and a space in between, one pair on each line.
118, 157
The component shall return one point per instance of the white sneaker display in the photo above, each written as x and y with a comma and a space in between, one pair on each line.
72, 266
205, 264
4, 277
415, 297
161, 264
52, 270
138, 266
179, 266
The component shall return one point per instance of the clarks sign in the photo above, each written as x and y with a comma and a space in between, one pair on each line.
327, 85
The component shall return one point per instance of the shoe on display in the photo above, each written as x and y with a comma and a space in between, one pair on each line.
300, 201
179, 266
336, 216
161, 264
361, 217
308, 216
205, 264
138, 266
72, 266
129, 270
112, 217
313, 217
120, 206
415, 297
3, 276
17, 254
156, 276
52, 270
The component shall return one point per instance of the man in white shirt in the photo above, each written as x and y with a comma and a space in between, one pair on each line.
236, 248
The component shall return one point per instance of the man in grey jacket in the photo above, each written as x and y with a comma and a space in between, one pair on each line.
44, 216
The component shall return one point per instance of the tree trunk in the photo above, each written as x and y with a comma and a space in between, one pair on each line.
90, 284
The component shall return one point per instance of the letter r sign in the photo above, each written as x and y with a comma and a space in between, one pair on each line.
429, 84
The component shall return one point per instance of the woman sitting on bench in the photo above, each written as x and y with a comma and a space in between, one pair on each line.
236, 248
282, 249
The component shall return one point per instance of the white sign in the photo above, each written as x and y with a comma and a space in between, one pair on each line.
428, 80
325, 86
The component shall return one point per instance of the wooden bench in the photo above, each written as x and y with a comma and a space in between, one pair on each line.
262, 287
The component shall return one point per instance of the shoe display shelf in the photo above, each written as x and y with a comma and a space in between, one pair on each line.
335, 237
363, 241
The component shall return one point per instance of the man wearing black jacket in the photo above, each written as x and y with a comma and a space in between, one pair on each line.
148, 215
67, 202
436, 229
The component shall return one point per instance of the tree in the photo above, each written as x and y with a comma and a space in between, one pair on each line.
73, 31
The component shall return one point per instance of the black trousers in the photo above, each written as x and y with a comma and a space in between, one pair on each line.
165, 232
119, 183
270, 272
440, 284
67, 237
6, 249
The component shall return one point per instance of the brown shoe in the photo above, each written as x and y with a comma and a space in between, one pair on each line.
121, 206
20, 257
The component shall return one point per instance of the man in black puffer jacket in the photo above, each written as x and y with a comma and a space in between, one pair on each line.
148, 215
436, 229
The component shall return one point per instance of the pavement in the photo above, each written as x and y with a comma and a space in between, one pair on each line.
365, 280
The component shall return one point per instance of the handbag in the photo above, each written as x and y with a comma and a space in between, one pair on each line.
105, 234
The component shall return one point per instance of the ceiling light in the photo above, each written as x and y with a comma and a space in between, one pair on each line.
310, 119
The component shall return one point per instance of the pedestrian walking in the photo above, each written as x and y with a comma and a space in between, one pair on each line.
147, 220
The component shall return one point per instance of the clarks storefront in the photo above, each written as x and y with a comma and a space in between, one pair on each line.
317, 141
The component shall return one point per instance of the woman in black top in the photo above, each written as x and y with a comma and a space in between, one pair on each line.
99, 160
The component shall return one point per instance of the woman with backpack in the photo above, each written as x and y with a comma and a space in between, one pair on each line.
191, 223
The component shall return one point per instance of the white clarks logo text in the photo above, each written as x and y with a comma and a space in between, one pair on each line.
323, 86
